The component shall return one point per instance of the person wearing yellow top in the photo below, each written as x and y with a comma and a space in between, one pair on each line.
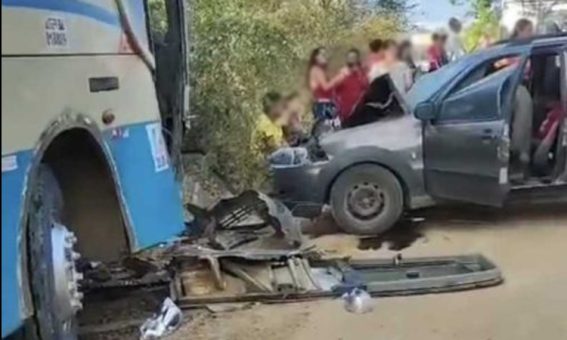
269, 134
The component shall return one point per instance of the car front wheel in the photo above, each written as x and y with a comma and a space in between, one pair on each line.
366, 199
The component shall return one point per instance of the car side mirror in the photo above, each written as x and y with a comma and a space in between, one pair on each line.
425, 111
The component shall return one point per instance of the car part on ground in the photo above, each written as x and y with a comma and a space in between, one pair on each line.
366, 199
276, 278
250, 216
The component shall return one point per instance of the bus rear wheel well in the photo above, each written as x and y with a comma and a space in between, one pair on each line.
91, 202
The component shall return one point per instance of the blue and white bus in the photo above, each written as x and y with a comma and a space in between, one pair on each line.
86, 170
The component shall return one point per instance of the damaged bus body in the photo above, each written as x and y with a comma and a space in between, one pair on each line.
85, 167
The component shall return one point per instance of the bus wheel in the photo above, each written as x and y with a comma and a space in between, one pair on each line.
53, 275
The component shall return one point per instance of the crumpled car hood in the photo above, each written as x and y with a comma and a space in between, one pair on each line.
395, 133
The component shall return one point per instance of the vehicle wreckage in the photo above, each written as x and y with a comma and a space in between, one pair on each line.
250, 249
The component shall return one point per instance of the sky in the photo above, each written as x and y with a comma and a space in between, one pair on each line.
434, 14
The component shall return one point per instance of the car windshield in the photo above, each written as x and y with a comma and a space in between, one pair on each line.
427, 85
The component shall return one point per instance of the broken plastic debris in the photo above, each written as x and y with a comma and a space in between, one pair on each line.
162, 324
358, 301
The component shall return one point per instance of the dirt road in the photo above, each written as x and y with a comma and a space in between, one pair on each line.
529, 245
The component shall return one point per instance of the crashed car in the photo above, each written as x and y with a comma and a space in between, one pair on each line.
472, 132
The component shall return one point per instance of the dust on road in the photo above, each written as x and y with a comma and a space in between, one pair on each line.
528, 244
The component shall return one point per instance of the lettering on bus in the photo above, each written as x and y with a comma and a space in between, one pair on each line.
56, 33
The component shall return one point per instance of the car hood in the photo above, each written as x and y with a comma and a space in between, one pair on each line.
394, 133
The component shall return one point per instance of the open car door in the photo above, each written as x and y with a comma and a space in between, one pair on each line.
466, 146
562, 154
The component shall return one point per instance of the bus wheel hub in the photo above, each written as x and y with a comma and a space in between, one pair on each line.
66, 277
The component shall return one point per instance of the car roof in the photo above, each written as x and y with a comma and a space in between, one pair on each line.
538, 40
517, 46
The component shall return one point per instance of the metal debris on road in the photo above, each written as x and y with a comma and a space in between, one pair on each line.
248, 217
277, 276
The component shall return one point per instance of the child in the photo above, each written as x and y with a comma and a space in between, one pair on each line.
269, 134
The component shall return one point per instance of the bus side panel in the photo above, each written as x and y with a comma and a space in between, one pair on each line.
152, 195
14, 169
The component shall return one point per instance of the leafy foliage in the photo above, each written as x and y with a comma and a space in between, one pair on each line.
242, 49
486, 24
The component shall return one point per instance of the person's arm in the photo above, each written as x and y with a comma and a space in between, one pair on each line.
318, 79
408, 77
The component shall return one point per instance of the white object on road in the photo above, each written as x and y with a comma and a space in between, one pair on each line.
358, 301
162, 324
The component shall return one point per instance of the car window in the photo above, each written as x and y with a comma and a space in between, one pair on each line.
429, 84
477, 101
484, 70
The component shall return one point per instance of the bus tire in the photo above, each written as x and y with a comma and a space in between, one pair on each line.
51, 322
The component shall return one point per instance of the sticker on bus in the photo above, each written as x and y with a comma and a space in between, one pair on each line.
158, 147
9, 163
56, 33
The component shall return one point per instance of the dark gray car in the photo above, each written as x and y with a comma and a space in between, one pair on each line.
474, 131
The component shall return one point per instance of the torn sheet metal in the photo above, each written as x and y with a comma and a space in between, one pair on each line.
269, 278
238, 220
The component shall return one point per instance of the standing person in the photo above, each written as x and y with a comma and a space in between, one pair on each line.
524, 29
389, 58
436, 52
400, 72
454, 45
352, 88
375, 55
322, 89
405, 55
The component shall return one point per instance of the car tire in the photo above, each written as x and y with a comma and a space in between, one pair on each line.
44, 216
366, 199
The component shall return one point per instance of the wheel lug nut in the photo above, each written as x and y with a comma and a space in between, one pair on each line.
71, 238
77, 305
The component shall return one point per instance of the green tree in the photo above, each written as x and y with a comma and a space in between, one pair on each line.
486, 23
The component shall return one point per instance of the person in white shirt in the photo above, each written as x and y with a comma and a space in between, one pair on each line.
454, 44
400, 72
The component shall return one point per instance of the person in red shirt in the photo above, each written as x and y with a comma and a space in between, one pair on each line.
436, 53
322, 88
353, 87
